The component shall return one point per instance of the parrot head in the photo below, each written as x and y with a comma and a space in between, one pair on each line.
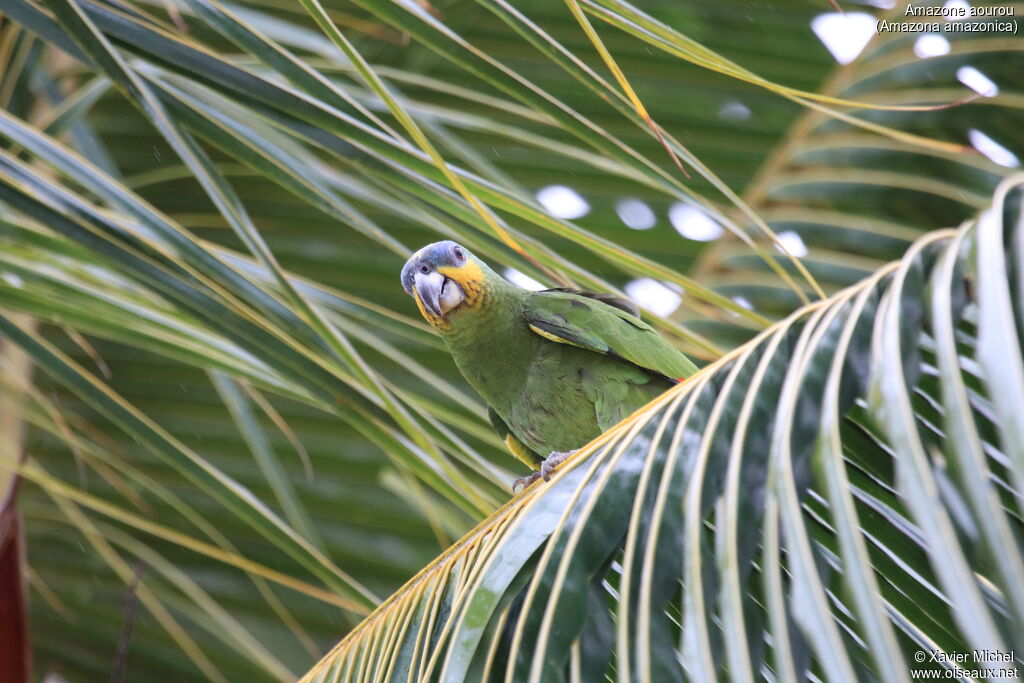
442, 277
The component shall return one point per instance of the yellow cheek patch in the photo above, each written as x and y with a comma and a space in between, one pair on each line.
467, 272
469, 277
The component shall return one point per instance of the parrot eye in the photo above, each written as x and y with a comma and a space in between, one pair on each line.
424, 269
459, 253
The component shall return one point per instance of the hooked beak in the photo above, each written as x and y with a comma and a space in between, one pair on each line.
437, 293
428, 288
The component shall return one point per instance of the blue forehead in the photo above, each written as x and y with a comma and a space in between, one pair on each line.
436, 254
438, 251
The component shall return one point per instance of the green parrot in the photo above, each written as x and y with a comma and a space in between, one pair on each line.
556, 368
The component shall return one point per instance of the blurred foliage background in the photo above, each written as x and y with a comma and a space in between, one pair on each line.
519, 98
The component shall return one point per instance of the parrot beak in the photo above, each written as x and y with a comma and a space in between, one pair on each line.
437, 293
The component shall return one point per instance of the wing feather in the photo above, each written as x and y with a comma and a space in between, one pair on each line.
610, 299
588, 322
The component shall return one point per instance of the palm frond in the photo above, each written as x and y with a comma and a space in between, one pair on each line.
757, 509
838, 192
204, 206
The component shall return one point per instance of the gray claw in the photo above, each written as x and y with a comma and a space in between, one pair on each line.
525, 481
552, 461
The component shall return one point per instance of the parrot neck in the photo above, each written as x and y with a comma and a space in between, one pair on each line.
496, 307
491, 345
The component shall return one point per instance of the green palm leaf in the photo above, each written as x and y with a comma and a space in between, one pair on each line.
744, 508
203, 210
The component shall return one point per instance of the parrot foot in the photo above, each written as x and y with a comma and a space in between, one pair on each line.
554, 460
525, 481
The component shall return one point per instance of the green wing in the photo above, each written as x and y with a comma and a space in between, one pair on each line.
610, 299
605, 325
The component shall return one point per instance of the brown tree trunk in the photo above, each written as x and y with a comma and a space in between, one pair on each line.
15, 646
